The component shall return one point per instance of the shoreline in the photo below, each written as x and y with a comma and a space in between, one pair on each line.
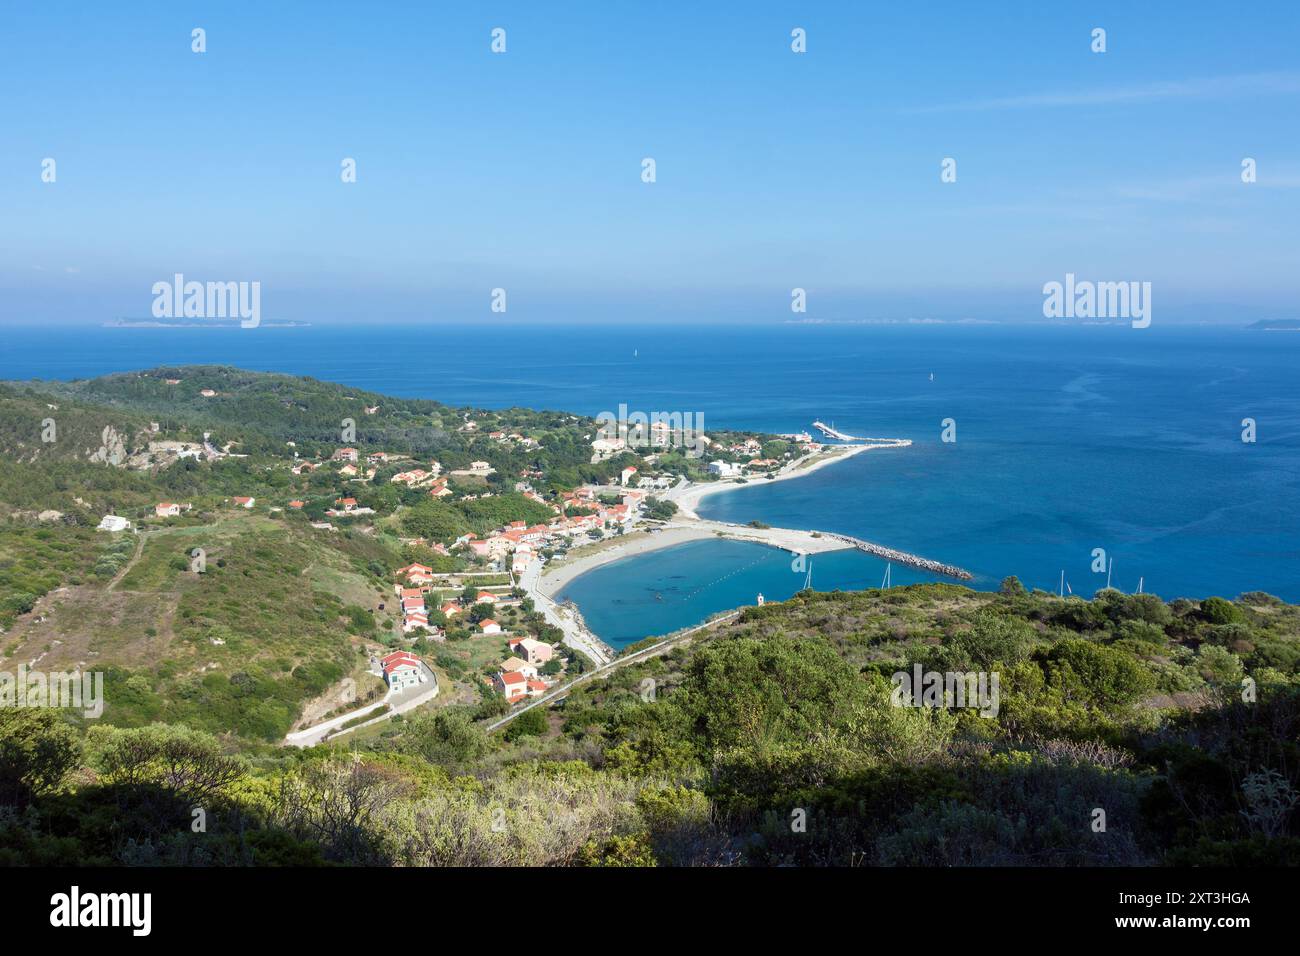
688, 526
689, 497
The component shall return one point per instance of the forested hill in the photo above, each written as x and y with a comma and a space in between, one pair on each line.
263, 410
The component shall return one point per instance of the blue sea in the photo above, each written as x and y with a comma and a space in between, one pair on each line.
1068, 439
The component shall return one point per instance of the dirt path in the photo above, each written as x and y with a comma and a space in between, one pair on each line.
126, 568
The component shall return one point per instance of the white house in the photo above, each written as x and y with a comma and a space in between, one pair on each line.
403, 670
724, 469
113, 523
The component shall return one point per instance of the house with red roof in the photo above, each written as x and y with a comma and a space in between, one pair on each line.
403, 669
515, 686
414, 621
489, 626
244, 502
512, 684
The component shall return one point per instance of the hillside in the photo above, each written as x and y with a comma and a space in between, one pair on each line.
1125, 733
296, 594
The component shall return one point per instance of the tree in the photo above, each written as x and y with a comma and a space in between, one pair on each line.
37, 751
531, 723
1218, 611
1011, 587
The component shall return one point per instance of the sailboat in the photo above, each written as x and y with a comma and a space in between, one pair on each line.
886, 582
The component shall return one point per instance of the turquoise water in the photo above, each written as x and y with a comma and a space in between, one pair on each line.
662, 591
1068, 439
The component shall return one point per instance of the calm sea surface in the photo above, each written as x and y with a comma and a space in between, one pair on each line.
1068, 439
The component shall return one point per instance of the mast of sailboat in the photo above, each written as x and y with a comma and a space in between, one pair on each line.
1062, 592
885, 583
1109, 568
1140, 580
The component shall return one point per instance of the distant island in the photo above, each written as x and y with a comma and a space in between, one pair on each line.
1276, 325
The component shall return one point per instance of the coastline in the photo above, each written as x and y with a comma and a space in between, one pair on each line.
688, 498
687, 525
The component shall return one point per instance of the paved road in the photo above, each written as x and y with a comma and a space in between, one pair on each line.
575, 635
398, 703
561, 692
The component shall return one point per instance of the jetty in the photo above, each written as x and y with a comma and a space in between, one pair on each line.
811, 542
903, 557
830, 432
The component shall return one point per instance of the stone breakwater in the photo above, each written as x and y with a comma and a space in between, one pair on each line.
902, 557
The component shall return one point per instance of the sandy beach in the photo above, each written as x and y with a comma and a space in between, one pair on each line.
689, 497
688, 526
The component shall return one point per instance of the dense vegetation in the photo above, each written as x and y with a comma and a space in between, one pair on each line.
1129, 731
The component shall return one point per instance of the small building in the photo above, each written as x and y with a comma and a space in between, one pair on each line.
489, 626
522, 667
403, 670
113, 523
244, 502
534, 651
512, 684
169, 509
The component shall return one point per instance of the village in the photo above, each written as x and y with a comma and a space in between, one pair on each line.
480, 590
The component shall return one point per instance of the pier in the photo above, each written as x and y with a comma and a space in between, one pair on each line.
903, 557
830, 432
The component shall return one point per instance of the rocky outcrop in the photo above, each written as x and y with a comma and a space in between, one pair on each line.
113, 450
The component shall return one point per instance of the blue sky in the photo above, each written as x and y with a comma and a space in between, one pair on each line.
775, 170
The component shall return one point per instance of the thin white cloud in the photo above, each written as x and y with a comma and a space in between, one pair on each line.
1221, 186
1250, 84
